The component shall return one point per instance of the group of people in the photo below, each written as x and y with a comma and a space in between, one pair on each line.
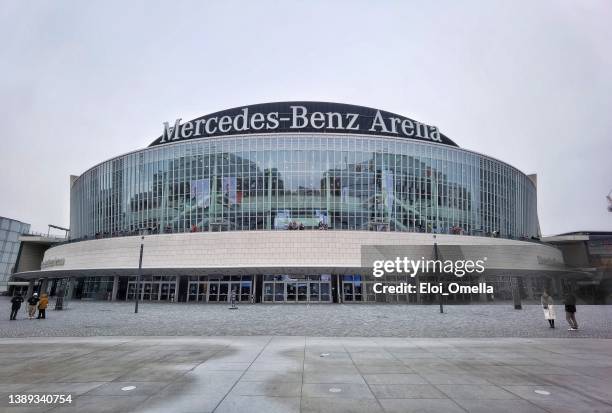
548, 306
295, 226
34, 302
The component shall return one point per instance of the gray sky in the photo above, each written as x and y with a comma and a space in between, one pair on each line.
529, 83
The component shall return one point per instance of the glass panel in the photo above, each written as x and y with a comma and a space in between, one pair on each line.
223, 292
213, 294
154, 291
165, 289
147, 291
193, 292
291, 291
325, 288
314, 291
347, 290
302, 291
279, 291
268, 290
245, 291
202, 290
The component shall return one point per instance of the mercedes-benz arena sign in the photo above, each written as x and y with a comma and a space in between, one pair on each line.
292, 117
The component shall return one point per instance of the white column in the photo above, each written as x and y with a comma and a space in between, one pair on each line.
115, 288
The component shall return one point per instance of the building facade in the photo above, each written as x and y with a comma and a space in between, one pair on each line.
10, 231
275, 202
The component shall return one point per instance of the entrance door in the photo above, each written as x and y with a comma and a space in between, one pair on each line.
213, 292
167, 291
291, 291
223, 292
312, 289
302, 292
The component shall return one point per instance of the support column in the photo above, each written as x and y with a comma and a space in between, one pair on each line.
529, 287
30, 289
516, 293
176, 288
115, 288
557, 287
43, 285
482, 297
70, 288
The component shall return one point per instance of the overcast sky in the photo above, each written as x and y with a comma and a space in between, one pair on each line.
529, 83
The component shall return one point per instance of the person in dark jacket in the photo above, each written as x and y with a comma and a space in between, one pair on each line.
570, 311
16, 305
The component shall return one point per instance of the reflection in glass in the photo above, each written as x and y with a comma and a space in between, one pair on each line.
280, 182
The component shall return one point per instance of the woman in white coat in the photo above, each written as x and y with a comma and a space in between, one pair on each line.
549, 308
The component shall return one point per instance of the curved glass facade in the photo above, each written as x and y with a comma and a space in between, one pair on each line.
309, 181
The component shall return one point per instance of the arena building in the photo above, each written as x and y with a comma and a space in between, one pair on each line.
276, 202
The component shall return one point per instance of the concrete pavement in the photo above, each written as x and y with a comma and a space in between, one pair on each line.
309, 374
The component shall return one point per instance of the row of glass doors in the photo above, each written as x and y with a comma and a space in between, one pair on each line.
153, 288
219, 288
288, 289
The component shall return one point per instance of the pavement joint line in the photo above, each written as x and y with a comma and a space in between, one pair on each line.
366, 382
552, 383
303, 365
567, 388
243, 373
432, 384
223, 348
164, 387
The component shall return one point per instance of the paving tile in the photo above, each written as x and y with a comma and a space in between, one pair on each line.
406, 391
241, 404
500, 406
560, 400
184, 403
338, 405
337, 390
115, 388
102, 404
336, 377
475, 391
420, 406
271, 376
383, 368
264, 388
453, 378
394, 378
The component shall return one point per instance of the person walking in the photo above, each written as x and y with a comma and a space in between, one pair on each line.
549, 308
42, 306
32, 302
570, 311
15, 305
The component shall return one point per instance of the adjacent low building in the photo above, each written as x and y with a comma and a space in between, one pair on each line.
10, 231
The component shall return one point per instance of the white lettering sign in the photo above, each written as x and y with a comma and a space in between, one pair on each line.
298, 119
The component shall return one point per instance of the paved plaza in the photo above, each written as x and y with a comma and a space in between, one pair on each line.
307, 358
99, 318
309, 374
